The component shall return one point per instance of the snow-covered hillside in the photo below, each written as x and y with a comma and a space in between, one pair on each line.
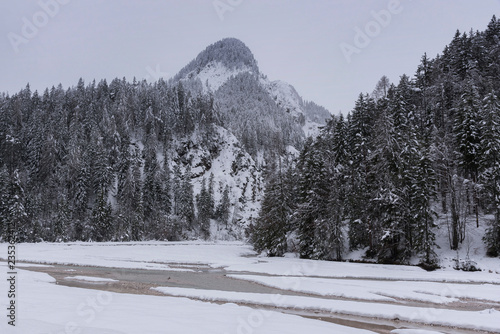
287, 98
230, 166
214, 75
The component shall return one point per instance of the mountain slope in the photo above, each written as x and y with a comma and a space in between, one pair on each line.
228, 58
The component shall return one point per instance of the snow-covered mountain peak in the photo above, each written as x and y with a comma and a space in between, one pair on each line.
230, 53
230, 59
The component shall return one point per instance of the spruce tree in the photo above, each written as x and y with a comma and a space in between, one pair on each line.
468, 136
203, 203
313, 194
359, 145
490, 168
222, 211
337, 201
185, 200
18, 225
102, 221
274, 223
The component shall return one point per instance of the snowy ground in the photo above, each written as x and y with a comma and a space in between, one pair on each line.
406, 297
486, 320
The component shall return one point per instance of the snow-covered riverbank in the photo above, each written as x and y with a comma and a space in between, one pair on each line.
445, 297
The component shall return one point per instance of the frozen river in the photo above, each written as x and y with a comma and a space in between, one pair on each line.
203, 277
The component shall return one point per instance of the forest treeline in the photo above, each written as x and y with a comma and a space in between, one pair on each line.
93, 163
406, 155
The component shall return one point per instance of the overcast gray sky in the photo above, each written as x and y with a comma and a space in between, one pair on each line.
330, 50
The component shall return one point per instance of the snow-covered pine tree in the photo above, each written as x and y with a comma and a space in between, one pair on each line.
102, 220
313, 193
468, 136
334, 236
204, 210
489, 175
185, 200
422, 192
210, 196
62, 220
359, 134
166, 187
386, 203
18, 226
150, 188
222, 211
274, 223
